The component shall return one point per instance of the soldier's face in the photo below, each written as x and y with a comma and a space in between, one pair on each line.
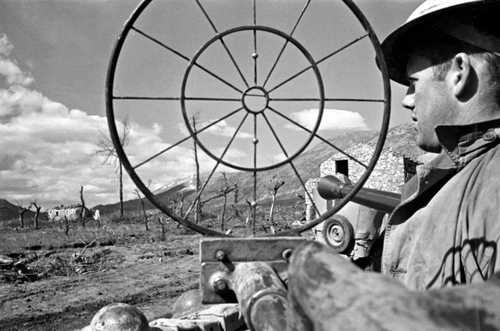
428, 100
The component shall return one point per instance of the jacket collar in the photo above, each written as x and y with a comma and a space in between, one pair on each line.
462, 143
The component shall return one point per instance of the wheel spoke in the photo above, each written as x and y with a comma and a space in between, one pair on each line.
286, 43
275, 135
255, 142
255, 54
328, 99
198, 195
175, 98
291, 163
318, 62
223, 43
156, 41
186, 138
127, 97
319, 137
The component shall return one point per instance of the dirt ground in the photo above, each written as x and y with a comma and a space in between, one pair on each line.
147, 274
66, 277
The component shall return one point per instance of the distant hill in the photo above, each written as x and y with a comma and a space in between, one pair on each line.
307, 165
400, 139
167, 194
10, 211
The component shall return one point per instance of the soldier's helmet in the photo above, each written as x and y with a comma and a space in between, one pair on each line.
458, 19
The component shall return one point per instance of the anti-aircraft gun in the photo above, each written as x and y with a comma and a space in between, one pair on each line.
252, 99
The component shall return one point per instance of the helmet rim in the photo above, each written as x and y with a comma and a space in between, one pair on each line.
395, 46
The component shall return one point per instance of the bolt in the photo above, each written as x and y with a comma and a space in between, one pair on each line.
255, 55
255, 140
220, 285
287, 254
253, 203
220, 255
218, 282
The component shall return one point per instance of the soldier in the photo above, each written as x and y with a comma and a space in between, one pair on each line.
446, 230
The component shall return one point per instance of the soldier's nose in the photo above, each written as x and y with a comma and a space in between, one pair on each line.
408, 101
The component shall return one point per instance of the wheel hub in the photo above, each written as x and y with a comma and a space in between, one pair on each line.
255, 99
337, 234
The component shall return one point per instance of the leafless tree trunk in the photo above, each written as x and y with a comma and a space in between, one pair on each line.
197, 206
37, 213
225, 190
107, 149
180, 204
274, 192
223, 213
21, 212
66, 226
120, 179
249, 215
163, 224
82, 207
143, 207
236, 193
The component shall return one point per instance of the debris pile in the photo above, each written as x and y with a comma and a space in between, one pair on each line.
20, 268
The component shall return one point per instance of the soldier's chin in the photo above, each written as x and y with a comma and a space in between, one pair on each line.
431, 147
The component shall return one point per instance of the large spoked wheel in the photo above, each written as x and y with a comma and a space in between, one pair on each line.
251, 103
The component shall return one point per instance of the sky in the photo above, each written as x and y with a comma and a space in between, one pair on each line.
54, 56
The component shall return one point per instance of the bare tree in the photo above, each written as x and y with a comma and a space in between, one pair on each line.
276, 184
66, 226
37, 207
223, 193
83, 208
145, 217
198, 205
163, 224
249, 215
225, 190
21, 211
107, 149
179, 203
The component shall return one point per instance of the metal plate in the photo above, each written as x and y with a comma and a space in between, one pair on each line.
241, 250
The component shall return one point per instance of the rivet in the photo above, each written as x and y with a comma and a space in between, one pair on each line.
220, 255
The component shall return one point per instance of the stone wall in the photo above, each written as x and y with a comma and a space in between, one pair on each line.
388, 174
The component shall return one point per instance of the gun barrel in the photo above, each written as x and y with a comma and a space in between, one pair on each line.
330, 187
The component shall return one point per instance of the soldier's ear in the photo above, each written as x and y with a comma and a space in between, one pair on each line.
461, 74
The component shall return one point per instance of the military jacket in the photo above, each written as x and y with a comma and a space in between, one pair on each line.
447, 228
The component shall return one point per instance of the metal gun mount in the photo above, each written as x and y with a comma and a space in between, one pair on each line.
255, 91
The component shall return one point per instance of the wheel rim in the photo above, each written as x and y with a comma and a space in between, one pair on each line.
131, 169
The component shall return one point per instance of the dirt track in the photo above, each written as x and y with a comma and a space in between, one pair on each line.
148, 275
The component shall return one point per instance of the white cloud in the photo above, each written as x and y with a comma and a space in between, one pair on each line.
5, 46
333, 119
224, 129
48, 150
9, 68
220, 129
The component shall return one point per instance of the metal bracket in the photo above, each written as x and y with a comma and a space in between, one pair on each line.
219, 257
